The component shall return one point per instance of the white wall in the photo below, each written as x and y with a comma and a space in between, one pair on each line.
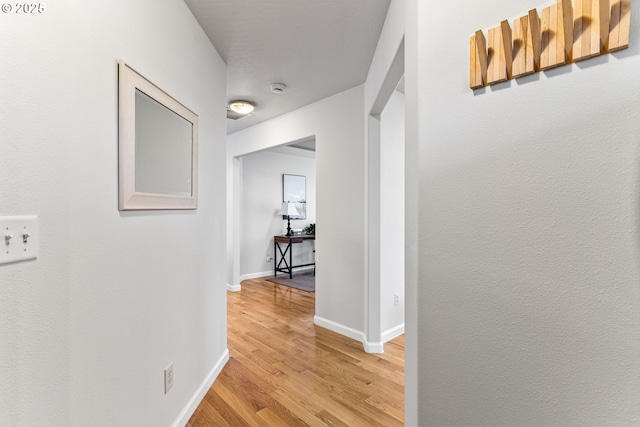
262, 198
392, 213
87, 329
528, 300
385, 72
337, 123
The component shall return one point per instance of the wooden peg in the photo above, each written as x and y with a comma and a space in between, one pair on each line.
477, 60
547, 34
522, 56
475, 78
481, 46
566, 10
557, 30
580, 23
605, 20
526, 44
497, 56
619, 25
534, 33
588, 32
507, 46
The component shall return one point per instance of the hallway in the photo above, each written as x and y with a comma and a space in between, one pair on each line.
284, 370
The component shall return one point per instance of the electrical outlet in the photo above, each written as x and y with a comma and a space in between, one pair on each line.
396, 298
168, 378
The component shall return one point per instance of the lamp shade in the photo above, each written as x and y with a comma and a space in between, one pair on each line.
288, 209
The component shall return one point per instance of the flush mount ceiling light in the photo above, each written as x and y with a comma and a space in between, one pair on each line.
241, 107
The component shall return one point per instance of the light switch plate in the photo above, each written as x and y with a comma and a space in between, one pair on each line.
18, 238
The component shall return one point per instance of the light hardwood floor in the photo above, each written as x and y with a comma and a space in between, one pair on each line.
284, 371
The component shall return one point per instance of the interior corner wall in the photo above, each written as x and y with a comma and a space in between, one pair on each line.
87, 329
528, 295
337, 123
392, 221
261, 199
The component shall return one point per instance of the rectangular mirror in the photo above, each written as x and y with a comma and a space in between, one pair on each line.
158, 147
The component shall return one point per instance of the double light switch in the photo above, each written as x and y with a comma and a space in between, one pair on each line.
18, 238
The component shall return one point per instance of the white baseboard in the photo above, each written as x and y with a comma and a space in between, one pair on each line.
374, 347
238, 288
256, 275
269, 274
234, 288
393, 333
369, 347
193, 403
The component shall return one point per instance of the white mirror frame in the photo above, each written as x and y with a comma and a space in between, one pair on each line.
129, 199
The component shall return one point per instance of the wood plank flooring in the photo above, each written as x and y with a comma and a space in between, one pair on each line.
284, 371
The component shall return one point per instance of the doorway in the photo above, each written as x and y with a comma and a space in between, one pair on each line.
385, 242
257, 186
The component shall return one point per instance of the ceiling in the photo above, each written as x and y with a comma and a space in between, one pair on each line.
302, 148
317, 48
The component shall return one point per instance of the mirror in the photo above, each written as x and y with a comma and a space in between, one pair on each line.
158, 147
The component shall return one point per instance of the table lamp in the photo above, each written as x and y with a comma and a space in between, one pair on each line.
288, 209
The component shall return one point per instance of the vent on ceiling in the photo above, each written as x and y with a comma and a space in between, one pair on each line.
237, 116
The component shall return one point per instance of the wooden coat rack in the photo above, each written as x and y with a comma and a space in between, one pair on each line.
567, 32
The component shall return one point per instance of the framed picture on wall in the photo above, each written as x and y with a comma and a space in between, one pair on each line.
294, 190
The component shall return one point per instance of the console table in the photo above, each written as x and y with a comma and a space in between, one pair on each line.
286, 242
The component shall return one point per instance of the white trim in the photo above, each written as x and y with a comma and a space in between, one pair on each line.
369, 347
193, 403
232, 288
256, 275
373, 347
269, 273
392, 333
339, 329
